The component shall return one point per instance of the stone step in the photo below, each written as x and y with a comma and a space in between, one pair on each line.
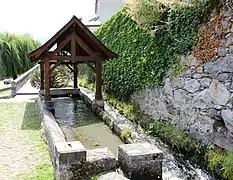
112, 176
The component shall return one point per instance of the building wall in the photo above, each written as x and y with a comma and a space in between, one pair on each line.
109, 7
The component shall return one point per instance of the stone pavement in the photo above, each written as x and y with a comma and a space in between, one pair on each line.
21, 148
27, 92
27, 89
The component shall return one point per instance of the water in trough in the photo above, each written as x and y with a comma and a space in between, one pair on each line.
78, 122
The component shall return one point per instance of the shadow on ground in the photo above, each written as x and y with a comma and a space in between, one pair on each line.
31, 120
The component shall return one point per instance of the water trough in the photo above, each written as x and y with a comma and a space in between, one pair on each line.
73, 159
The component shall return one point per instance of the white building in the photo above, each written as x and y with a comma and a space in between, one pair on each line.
104, 9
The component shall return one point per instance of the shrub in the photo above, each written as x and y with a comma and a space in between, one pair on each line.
60, 77
147, 13
145, 58
13, 54
179, 140
86, 72
221, 162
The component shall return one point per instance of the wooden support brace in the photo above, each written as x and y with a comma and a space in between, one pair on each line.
70, 68
54, 66
62, 45
84, 46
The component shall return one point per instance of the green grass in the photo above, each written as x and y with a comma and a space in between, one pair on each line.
22, 118
41, 172
221, 162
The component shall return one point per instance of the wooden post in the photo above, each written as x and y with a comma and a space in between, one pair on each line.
42, 75
75, 76
73, 55
98, 91
47, 79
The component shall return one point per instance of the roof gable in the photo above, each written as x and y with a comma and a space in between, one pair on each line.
85, 38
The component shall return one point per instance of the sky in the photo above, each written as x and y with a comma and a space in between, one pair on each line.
42, 18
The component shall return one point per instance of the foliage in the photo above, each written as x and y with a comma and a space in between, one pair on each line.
94, 178
60, 77
13, 54
42, 172
146, 57
177, 69
221, 162
147, 13
84, 83
209, 42
86, 72
126, 134
178, 139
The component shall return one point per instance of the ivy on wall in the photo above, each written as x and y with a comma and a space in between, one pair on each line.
146, 57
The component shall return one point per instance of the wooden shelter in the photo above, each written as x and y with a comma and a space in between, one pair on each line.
75, 44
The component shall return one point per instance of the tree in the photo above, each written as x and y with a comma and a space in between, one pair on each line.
13, 54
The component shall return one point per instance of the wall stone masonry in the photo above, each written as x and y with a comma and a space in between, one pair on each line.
199, 100
22, 79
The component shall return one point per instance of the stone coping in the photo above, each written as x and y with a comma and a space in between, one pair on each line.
21, 80
8, 87
50, 130
61, 92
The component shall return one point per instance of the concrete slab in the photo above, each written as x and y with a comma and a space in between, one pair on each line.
27, 89
112, 176
141, 161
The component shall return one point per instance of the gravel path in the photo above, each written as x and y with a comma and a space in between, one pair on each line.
21, 148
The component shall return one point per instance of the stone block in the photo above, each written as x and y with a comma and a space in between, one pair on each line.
202, 100
219, 93
101, 159
112, 176
141, 161
99, 102
192, 85
49, 106
69, 153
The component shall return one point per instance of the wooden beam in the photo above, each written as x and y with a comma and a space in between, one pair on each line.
42, 75
77, 59
54, 62
47, 80
98, 90
54, 66
83, 45
72, 70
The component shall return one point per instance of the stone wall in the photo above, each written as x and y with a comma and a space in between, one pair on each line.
199, 100
21, 80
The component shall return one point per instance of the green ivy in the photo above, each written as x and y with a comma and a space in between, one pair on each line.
144, 58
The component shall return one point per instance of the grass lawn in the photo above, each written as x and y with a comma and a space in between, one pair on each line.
23, 154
